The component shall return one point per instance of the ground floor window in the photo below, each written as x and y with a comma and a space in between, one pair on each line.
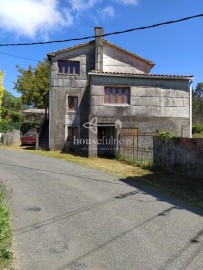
72, 133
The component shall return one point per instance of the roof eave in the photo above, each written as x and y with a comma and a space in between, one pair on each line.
146, 76
53, 54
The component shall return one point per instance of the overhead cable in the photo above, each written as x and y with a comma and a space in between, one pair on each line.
19, 56
104, 35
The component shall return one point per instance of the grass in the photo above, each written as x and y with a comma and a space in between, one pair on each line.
6, 255
108, 165
198, 135
182, 188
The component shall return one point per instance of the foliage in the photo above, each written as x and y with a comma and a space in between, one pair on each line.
5, 231
28, 124
6, 253
197, 101
165, 136
11, 107
1, 92
198, 128
33, 83
6, 126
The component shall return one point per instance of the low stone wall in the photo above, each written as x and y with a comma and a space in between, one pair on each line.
182, 155
9, 138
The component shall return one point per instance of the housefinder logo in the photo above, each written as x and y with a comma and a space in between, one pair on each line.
107, 141
93, 124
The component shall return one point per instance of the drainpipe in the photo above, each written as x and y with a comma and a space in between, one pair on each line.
98, 48
190, 90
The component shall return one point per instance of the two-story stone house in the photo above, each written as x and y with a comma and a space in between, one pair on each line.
96, 85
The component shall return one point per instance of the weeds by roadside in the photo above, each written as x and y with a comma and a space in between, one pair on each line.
6, 255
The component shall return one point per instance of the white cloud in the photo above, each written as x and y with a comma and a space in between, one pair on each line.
33, 17
38, 18
82, 5
108, 11
129, 2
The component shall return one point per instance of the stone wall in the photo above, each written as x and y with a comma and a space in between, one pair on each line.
9, 138
115, 60
155, 104
64, 85
182, 155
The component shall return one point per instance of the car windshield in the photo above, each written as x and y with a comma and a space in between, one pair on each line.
30, 134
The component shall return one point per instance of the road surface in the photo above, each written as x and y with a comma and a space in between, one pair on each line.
67, 216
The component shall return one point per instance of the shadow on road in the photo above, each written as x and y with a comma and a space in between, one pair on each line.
28, 147
170, 188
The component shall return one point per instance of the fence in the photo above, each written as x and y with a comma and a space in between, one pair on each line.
136, 147
9, 138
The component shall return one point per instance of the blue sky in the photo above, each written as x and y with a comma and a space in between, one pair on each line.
176, 49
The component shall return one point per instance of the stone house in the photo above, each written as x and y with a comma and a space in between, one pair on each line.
99, 90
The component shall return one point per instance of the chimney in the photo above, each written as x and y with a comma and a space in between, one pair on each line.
98, 48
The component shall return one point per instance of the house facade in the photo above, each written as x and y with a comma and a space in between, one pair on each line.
99, 91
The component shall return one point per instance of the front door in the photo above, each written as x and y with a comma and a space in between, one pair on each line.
106, 141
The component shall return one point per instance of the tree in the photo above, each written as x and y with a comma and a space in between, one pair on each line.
1, 92
33, 83
11, 107
198, 104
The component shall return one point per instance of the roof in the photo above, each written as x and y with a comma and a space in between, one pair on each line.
52, 54
69, 49
34, 110
142, 75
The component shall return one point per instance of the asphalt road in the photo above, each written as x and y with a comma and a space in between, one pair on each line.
67, 216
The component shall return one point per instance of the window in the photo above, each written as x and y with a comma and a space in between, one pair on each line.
72, 133
117, 95
69, 67
72, 104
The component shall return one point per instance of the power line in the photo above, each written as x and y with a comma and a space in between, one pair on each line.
19, 56
104, 35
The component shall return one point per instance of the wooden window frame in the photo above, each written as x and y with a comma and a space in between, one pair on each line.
72, 131
116, 95
72, 103
68, 67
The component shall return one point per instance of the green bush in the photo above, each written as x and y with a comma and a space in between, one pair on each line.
198, 128
165, 136
6, 255
6, 126
28, 124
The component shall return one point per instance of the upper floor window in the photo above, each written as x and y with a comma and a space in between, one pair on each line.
72, 104
69, 67
117, 95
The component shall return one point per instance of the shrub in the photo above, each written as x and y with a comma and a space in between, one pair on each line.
198, 128
28, 125
6, 126
6, 255
165, 136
